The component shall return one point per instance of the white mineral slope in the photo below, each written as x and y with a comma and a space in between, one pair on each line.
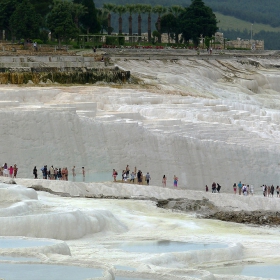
224, 201
11, 193
145, 221
94, 229
204, 121
32, 218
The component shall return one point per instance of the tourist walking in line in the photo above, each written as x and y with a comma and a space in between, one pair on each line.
139, 177
248, 189
84, 173
148, 178
234, 188
268, 191
132, 177
219, 187
123, 173
55, 173
35, 172
124, 176
66, 174
164, 181
51, 173
277, 191
272, 190
239, 187
15, 170
213, 187
63, 173
114, 175
127, 171
206, 188
264, 190
175, 181
74, 171
5, 171
252, 190
244, 190
11, 171
59, 174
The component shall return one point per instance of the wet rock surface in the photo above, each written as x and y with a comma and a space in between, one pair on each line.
208, 210
246, 217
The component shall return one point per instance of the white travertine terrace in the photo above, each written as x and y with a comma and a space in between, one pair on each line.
203, 120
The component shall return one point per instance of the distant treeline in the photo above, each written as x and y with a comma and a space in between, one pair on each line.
271, 39
254, 11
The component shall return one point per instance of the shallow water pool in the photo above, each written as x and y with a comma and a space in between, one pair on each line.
129, 278
165, 246
23, 243
46, 272
123, 267
92, 177
265, 271
19, 259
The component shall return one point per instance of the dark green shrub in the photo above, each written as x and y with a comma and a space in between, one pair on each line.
110, 40
121, 41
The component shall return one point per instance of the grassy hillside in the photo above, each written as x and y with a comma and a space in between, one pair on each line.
261, 11
232, 23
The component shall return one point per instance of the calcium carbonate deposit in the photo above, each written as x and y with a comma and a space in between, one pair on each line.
202, 120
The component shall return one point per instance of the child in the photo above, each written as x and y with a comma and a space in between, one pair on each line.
132, 177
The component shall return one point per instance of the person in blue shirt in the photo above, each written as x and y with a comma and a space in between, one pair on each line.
239, 188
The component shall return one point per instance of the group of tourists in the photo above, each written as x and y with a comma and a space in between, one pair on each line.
216, 187
133, 176
175, 181
268, 191
8, 171
139, 177
244, 189
54, 173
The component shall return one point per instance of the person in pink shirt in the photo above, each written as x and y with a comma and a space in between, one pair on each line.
11, 171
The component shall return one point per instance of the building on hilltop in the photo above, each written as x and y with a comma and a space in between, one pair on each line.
246, 44
238, 43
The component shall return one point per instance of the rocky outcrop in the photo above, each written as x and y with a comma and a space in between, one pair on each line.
187, 205
208, 210
70, 76
246, 217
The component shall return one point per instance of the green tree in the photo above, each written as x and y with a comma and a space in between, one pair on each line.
60, 21
42, 7
24, 21
78, 11
131, 10
176, 10
120, 10
168, 24
89, 20
109, 7
197, 20
7, 7
159, 10
148, 10
140, 8
102, 17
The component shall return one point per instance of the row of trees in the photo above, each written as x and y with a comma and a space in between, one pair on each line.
141, 9
254, 11
66, 19
23, 19
191, 22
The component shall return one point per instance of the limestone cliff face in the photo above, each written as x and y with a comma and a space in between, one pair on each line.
202, 121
